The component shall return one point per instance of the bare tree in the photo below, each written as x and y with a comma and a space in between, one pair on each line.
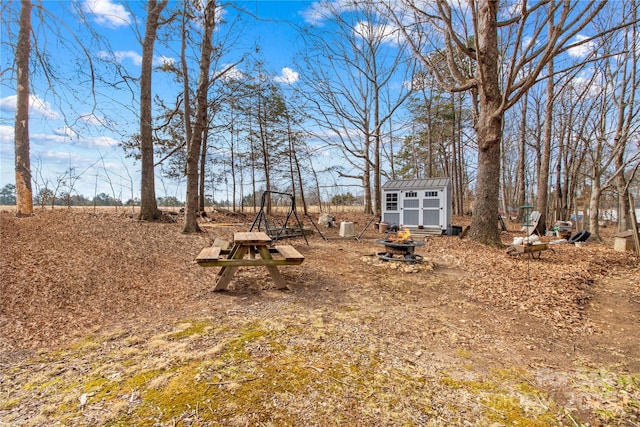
24, 193
498, 77
542, 202
625, 73
349, 76
613, 121
148, 203
200, 122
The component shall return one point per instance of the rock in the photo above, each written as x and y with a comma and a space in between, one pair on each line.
326, 220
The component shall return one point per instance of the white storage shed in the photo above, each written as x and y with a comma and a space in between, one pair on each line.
421, 203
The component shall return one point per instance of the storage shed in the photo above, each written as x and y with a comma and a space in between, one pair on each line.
421, 203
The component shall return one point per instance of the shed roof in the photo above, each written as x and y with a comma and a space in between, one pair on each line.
401, 184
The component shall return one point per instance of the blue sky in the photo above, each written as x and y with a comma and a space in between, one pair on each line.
70, 134
86, 146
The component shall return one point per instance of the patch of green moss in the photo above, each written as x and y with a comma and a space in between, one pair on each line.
258, 390
230, 383
524, 384
236, 347
463, 353
496, 394
508, 410
196, 327
95, 384
103, 388
85, 344
472, 386
9, 404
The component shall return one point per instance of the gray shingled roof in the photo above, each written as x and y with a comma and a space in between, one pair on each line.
402, 184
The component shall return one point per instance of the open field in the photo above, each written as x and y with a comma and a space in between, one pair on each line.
105, 320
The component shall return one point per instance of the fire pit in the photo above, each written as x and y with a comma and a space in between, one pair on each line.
400, 247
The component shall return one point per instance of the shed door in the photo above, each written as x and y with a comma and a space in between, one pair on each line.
410, 209
391, 212
432, 209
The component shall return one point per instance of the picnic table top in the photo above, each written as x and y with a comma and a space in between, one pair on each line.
251, 238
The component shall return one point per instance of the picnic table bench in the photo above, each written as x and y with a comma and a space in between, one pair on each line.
256, 246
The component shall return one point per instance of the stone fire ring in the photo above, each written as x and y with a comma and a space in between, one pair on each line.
411, 258
403, 251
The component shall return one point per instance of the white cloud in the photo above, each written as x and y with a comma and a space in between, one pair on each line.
529, 42
66, 135
161, 60
315, 14
37, 107
91, 119
8, 103
586, 81
231, 74
101, 141
56, 156
60, 137
288, 76
582, 50
66, 131
121, 55
388, 33
6, 134
319, 11
107, 13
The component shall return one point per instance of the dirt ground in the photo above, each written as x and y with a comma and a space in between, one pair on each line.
472, 336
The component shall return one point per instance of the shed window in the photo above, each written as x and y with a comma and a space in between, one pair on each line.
392, 201
411, 194
430, 194
411, 203
431, 203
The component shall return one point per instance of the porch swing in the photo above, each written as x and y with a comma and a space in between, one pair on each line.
274, 229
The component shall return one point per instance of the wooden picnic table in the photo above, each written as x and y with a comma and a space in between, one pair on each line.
257, 246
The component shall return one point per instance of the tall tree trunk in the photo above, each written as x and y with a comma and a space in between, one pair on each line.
625, 105
366, 179
456, 123
377, 176
303, 199
195, 146
296, 173
461, 162
148, 203
521, 178
484, 225
558, 213
264, 144
232, 160
503, 180
253, 179
594, 210
203, 167
543, 174
316, 182
185, 76
24, 193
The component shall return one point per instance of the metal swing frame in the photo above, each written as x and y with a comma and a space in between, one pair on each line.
281, 233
